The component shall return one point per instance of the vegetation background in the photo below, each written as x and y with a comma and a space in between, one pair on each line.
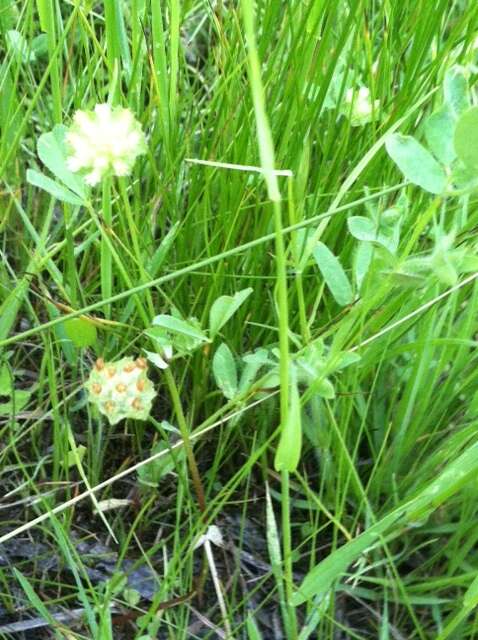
373, 535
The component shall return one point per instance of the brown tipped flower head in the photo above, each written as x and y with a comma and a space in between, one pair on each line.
121, 389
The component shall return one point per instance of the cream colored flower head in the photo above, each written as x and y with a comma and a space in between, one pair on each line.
362, 108
105, 141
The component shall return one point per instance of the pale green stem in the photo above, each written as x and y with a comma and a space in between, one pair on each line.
106, 271
184, 429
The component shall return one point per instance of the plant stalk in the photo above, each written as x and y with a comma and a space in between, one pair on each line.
184, 429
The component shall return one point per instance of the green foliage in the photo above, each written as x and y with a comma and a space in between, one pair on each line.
16, 399
293, 281
466, 138
416, 163
225, 371
455, 89
224, 308
333, 274
183, 336
52, 187
439, 132
52, 152
51, 149
290, 444
81, 331
151, 474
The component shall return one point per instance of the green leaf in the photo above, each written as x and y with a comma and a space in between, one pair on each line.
40, 45
456, 90
17, 43
156, 359
362, 261
439, 131
443, 267
173, 333
325, 388
466, 138
51, 149
290, 444
55, 189
464, 178
225, 371
6, 381
73, 457
274, 548
253, 362
416, 163
362, 228
19, 399
273, 539
224, 308
333, 274
179, 326
150, 474
346, 359
366, 230
81, 332
131, 596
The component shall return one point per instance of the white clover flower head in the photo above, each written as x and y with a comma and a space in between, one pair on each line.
105, 141
362, 107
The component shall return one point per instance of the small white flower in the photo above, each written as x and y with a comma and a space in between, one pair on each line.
362, 108
104, 142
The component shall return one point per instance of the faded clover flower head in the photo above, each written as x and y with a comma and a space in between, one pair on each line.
362, 107
105, 141
121, 389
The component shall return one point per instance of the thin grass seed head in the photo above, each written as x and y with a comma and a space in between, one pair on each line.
121, 389
105, 141
363, 108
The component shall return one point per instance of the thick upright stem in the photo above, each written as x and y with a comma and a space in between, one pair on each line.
184, 429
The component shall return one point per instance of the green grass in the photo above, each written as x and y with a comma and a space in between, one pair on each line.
384, 498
